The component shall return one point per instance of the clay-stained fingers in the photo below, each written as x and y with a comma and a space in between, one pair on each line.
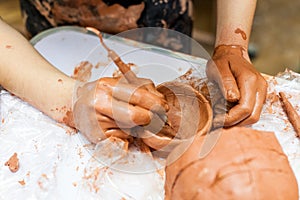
149, 86
119, 133
220, 72
132, 94
122, 112
260, 100
249, 108
244, 108
106, 123
139, 97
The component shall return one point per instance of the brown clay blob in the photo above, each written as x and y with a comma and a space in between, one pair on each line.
185, 104
83, 71
240, 31
292, 114
242, 163
13, 163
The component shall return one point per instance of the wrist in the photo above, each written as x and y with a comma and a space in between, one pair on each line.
225, 50
63, 110
232, 34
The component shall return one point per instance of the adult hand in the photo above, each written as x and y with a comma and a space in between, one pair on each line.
239, 82
111, 106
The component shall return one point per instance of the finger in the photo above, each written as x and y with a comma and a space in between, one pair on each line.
107, 123
153, 90
149, 86
132, 94
121, 111
155, 125
220, 72
123, 134
140, 97
247, 84
260, 100
146, 84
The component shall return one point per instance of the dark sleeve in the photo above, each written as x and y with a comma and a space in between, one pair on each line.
169, 14
35, 22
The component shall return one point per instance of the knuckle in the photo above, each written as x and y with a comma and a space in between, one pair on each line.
137, 95
253, 119
246, 110
140, 118
106, 81
252, 77
103, 80
264, 83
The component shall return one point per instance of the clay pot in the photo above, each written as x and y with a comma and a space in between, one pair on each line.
236, 163
190, 114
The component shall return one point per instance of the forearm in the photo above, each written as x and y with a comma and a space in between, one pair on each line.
25, 73
234, 22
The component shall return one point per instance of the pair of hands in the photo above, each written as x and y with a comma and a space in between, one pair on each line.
112, 106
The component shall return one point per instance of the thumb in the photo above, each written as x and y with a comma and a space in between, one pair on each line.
220, 72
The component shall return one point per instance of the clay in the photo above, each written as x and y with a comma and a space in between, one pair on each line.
13, 163
236, 163
123, 67
83, 71
103, 103
69, 119
185, 103
292, 114
111, 19
240, 31
22, 182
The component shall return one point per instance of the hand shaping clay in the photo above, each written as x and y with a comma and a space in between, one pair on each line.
189, 114
241, 163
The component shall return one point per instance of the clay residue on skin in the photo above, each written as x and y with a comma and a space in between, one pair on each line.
222, 50
240, 31
69, 119
83, 71
13, 163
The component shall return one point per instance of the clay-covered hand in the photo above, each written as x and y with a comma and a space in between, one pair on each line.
239, 82
111, 106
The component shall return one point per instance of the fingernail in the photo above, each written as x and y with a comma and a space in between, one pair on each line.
167, 107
